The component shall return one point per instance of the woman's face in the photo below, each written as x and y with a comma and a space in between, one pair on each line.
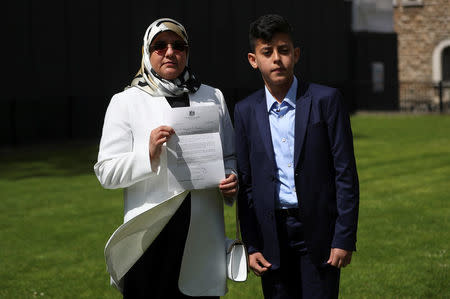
168, 54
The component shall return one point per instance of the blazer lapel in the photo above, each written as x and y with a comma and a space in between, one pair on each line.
302, 111
262, 117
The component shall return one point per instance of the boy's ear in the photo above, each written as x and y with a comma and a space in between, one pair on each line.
252, 60
296, 54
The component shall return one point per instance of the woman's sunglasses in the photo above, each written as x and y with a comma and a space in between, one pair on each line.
161, 46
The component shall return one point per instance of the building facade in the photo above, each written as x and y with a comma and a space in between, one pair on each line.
423, 31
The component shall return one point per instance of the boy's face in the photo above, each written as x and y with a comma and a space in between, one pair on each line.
275, 60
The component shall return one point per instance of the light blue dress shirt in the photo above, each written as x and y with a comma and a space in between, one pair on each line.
282, 129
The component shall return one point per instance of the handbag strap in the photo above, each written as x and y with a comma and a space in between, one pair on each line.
238, 232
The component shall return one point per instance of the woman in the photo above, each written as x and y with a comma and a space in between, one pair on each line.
187, 257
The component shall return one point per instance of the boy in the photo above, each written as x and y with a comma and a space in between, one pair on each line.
299, 191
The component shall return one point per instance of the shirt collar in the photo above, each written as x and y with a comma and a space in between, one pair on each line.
290, 97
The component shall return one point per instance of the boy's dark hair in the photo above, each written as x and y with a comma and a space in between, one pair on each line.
266, 26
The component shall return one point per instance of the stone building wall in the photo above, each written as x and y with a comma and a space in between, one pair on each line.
421, 29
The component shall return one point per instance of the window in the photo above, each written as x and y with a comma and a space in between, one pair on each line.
412, 2
446, 64
441, 61
377, 76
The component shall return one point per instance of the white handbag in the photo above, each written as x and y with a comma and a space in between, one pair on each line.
237, 257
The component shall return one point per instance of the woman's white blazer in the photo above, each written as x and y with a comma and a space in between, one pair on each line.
124, 162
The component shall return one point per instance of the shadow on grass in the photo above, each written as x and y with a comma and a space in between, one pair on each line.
359, 136
70, 158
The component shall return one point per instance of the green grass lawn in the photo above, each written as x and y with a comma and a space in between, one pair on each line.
55, 218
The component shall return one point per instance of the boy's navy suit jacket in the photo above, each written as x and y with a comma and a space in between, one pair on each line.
326, 179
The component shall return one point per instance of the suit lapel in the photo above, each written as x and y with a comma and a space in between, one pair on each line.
302, 111
262, 117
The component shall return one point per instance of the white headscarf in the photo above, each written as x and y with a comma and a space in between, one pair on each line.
148, 80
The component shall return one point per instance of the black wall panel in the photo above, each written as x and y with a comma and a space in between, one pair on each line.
245, 78
48, 40
115, 31
199, 30
7, 131
369, 48
69, 57
84, 49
